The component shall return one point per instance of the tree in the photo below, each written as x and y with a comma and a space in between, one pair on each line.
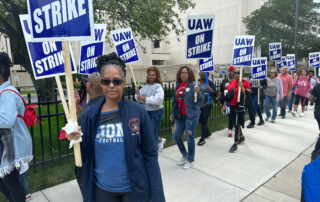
152, 19
275, 22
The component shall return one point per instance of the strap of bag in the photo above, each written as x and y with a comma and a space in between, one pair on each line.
25, 104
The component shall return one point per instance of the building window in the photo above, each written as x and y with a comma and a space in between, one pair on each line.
157, 62
156, 44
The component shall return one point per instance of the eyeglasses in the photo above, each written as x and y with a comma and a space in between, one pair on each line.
107, 82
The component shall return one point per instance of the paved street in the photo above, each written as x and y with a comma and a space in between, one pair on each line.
267, 167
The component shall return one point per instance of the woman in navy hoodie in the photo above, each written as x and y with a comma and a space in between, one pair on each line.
119, 153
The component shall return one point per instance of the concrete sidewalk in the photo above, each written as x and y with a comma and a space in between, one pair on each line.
267, 167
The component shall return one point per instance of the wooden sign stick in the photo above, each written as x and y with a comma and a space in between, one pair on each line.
259, 92
196, 81
62, 97
133, 76
240, 79
72, 103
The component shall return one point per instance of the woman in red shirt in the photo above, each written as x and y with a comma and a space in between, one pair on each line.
237, 109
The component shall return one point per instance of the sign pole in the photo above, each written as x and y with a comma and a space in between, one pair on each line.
72, 105
197, 81
62, 97
239, 93
207, 81
133, 76
258, 92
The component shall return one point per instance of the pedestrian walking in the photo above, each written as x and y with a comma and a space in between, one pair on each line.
257, 107
313, 83
222, 97
286, 80
274, 94
250, 109
205, 106
16, 143
185, 112
303, 86
118, 150
237, 109
290, 103
151, 97
22, 177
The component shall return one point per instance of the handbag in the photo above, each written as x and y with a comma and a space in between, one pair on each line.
177, 113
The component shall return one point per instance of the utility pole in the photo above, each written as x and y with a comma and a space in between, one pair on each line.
296, 31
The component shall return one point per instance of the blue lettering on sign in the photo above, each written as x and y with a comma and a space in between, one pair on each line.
242, 56
98, 34
206, 65
259, 68
243, 42
127, 51
199, 45
125, 36
47, 58
200, 24
60, 18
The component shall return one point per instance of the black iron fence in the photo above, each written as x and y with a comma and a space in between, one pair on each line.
46, 144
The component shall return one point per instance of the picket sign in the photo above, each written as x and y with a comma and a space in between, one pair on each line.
240, 80
72, 106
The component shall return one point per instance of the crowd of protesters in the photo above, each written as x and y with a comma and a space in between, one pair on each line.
125, 132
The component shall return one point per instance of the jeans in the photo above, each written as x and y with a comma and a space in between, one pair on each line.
156, 118
11, 187
271, 100
205, 112
22, 179
188, 126
283, 104
291, 100
256, 106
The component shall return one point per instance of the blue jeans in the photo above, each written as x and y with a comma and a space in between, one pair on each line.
256, 106
156, 118
271, 100
283, 104
291, 100
22, 179
188, 126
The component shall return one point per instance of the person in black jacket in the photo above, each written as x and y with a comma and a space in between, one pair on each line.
119, 152
206, 106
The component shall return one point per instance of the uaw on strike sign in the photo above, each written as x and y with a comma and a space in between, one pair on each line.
91, 50
275, 51
61, 20
124, 42
199, 36
46, 57
259, 68
243, 50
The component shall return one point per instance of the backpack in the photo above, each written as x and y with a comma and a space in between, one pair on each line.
30, 115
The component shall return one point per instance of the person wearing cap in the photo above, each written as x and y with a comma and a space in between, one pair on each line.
237, 109
222, 96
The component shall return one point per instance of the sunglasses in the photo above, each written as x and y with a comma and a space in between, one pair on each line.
237, 72
107, 82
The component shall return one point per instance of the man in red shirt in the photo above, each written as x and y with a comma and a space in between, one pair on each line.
286, 80
237, 109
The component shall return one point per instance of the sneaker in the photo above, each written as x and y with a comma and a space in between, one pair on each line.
28, 197
182, 161
283, 117
294, 113
268, 117
161, 144
260, 123
311, 107
273, 121
229, 133
233, 148
201, 142
241, 140
187, 165
251, 125
302, 114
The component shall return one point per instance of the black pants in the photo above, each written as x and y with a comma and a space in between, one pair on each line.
238, 122
249, 106
317, 117
203, 119
105, 196
230, 121
12, 188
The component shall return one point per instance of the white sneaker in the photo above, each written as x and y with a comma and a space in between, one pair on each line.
28, 197
181, 162
187, 165
294, 113
302, 114
161, 144
311, 107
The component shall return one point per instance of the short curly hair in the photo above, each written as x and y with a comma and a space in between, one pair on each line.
5, 64
155, 70
110, 59
190, 74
